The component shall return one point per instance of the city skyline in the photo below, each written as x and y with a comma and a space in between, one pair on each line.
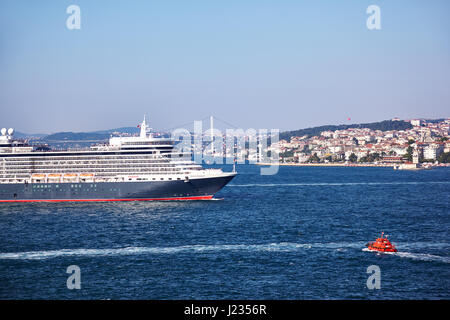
258, 64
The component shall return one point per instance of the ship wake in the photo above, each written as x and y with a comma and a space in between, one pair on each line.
415, 256
274, 247
199, 249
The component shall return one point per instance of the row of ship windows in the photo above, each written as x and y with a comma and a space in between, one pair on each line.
87, 168
84, 168
166, 142
127, 157
91, 162
97, 164
49, 186
85, 159
111, 157
43, 187
117, 163
23, 167
101, 169
96, 170
107, 161
61, 190
74, 186
71, 170
27, 175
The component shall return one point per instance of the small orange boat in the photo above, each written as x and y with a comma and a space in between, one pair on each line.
382, 244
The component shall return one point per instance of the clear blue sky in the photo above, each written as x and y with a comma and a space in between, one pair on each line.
255, 63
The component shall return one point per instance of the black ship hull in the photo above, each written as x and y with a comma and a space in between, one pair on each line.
193, 189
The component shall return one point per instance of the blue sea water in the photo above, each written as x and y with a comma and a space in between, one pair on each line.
299, 234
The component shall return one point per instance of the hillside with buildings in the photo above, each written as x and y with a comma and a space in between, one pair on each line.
387, 125
417, 142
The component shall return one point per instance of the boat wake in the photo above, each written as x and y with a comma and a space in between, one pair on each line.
423, 257
415, 256
274, 247
336, 184
271, 247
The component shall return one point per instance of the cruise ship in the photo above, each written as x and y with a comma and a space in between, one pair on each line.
144, 167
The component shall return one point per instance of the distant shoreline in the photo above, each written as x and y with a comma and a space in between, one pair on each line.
378, 165
327, 164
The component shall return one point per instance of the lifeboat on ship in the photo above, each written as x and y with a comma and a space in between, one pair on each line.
38, 177
54, 177
86, 176
382, 244
70, 176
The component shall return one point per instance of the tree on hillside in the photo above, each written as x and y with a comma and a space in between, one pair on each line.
444, 157
409, 153
314, 158
353, 158
287, 154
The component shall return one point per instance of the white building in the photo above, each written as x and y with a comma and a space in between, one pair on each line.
302, 157
432, 151
416, 122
